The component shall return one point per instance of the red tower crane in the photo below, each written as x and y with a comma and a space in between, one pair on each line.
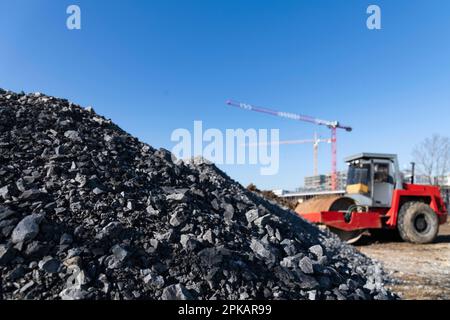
332, 125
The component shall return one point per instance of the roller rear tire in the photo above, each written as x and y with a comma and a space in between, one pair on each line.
417, 223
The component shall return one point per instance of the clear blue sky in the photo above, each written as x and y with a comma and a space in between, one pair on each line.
154, 66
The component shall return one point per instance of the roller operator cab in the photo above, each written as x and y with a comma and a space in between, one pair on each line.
372, 179
376, 198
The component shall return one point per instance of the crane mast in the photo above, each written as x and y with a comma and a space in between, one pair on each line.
316, 141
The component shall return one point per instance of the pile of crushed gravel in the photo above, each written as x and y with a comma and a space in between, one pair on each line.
89, 212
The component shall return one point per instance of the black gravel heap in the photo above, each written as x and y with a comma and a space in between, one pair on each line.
89, 212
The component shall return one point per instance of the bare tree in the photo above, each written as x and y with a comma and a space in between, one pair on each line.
432, 157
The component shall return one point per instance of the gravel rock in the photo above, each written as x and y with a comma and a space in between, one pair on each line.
111, 230
176, 292
5, 212
72, 294
32, 194
49, 265
291, 261
27, 229
4, 192
36, 249
176, 197
262, 250
317, 250
208, 236
177, 219
120, 253
90, 212
252, 215
154, 280
17, 273
262, 221
6, 254
306, 265
97, 191
66, 239
72, 135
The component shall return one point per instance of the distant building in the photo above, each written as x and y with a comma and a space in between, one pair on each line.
341, 180
418, 178
315, 182
444, 180
323, 182
424, 179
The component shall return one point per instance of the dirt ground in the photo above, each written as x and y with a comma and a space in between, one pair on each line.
419, 272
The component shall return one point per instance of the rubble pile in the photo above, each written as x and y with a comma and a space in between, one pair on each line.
89, 212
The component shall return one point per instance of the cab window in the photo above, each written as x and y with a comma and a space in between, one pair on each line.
381, 173
358, 174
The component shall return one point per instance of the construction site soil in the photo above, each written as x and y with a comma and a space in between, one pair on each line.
419, 272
